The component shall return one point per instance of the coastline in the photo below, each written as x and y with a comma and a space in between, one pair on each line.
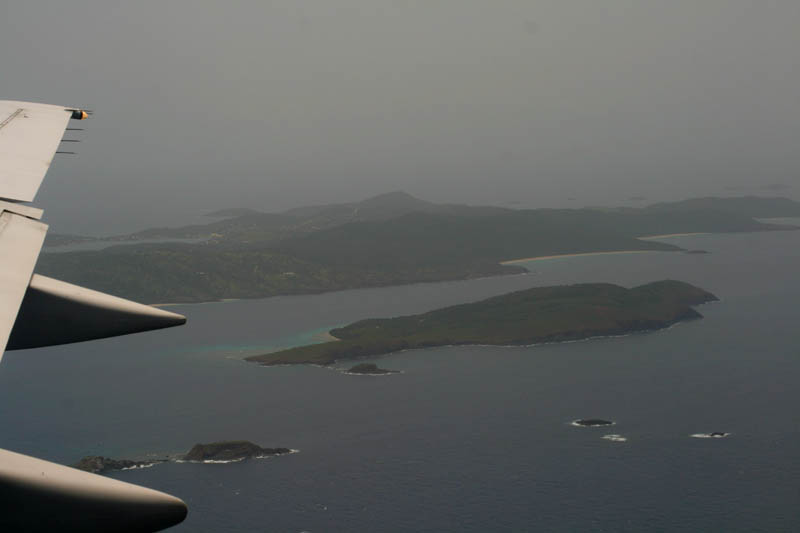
669, 235
534, 344
579, 254
323, 337
326, 336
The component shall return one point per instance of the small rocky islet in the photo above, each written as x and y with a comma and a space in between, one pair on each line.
97, 464
592, 422
370, 369
223, 451
615, 437
712, 435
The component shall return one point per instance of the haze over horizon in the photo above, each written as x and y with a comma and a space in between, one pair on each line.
274, 105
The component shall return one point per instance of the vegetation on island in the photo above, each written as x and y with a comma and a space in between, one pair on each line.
391, 239
532, 316
97, 464
230, 451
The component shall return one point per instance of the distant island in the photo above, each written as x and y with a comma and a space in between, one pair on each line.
538, 315
97, 464
214, 452
370, 369
233, 450
390, 239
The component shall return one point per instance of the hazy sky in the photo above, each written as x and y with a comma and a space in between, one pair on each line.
202, 105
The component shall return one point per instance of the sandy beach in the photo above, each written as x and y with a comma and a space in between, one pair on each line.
325, 336
557, 256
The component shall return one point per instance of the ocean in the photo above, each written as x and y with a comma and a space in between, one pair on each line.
466, 438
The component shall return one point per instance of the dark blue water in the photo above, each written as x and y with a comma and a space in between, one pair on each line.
466, 439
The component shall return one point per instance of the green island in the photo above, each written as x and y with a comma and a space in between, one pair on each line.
233, 450
532, 316
391, 239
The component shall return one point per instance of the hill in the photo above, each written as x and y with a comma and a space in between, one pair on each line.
252, 227
377, 242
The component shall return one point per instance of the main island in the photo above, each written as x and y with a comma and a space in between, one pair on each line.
388, 240
532, 316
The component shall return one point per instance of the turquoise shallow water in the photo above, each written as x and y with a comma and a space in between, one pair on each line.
467, 438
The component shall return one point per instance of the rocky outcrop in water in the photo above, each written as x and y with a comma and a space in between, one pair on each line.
230, 451
370, 369
592, 422
712, 435
97, 464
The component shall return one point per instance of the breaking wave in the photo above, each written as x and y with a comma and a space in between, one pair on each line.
139, 467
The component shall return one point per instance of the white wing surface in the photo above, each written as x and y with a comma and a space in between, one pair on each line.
29, 137
21, 239
37, 495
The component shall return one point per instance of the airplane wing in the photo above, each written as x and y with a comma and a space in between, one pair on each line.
21, 239
37, 495
29, 138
